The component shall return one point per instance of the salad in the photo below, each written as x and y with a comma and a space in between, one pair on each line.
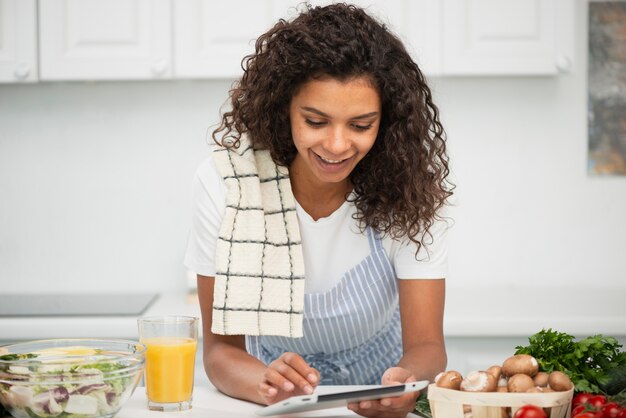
67, 382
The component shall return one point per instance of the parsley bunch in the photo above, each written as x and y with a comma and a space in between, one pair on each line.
588, 362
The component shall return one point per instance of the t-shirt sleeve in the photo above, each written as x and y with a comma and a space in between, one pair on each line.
208, 205
432, 259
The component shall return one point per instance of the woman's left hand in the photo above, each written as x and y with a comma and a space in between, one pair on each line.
396, 407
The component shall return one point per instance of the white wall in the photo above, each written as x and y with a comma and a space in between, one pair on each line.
95, 181
95, 177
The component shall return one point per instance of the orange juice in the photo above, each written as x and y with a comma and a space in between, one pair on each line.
169, 368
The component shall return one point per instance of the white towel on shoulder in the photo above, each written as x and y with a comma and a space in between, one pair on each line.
259, 280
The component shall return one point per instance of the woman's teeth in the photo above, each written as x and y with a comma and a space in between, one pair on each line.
326, 160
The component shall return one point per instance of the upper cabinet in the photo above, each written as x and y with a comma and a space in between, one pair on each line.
507, 37
104, 39
211, 38
173, 39
18, 41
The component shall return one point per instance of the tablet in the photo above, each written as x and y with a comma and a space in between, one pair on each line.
337, 399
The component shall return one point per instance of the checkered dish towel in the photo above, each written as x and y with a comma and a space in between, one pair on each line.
259, 280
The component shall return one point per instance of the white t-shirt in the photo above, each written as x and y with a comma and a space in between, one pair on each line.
331, 246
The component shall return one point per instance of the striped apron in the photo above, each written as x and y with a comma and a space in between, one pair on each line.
352, 333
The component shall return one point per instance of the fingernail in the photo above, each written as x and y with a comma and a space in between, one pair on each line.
312, 378
308, 389
365, 405
288, 386
271, 391
385, 402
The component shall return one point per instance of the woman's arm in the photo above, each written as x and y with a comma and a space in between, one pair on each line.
421, 312
238, 374
424, 353
227, 364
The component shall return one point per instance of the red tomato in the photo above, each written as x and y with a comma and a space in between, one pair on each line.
580, 408
622, 414
597, 401
581, 398
611, 410
530, 411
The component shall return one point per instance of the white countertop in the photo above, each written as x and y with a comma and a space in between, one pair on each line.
470, 312
208, 402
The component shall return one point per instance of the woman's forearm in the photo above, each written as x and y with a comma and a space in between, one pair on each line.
234, 372
425, 360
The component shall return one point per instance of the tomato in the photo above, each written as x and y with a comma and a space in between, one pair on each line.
611, 410
581, 398
580, 408
622, 414
597, 401
585, 415
530, 411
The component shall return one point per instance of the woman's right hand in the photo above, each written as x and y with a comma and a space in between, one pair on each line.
288, 375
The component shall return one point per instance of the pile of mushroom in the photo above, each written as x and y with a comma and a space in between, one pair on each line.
519, 373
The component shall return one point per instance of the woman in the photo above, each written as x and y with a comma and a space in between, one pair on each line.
333, 125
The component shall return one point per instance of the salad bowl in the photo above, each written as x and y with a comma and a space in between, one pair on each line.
69, 378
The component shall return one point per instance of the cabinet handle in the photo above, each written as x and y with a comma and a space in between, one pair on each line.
563, 64
159, 68
22, 70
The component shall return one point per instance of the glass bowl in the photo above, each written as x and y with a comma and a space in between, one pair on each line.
86, 378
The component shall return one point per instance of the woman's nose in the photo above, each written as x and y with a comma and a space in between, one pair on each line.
338, 142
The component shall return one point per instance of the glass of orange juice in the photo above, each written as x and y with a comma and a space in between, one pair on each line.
171, 343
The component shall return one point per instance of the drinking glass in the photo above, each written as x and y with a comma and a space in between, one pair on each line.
171, 343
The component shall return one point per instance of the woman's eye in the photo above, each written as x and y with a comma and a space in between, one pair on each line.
314, 123
363, 127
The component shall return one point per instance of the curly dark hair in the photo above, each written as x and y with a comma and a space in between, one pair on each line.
401, 184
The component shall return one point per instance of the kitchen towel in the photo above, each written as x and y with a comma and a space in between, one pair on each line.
259, 280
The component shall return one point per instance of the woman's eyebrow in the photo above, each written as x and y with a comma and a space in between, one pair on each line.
320, 113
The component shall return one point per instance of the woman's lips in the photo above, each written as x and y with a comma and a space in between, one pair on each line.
328, 164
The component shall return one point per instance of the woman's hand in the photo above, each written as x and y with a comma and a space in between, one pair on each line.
288, 375
396, 407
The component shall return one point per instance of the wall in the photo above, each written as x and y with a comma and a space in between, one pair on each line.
95, 181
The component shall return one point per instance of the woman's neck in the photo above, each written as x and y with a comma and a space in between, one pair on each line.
317, 199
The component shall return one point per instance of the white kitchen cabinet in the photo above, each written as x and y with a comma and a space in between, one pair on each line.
104, 39
18, 41
165, 39
507, 37
212, 37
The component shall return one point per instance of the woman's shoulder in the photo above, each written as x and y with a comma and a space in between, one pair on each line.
208, 183
427, 260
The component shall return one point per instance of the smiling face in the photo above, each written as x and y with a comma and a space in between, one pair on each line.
334, 124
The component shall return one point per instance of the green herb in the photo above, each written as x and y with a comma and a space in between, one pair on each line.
422, 406
587, 362
13, 357
104, 367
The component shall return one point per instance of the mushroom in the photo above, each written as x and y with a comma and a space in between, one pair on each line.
502, 384
479, 381
449, 380
541, 379
520, 363
520, 383
495, 371
559, 381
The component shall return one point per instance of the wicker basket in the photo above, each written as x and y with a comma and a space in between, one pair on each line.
448, 403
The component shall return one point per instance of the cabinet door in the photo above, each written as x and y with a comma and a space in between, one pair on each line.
212, 37
502, 37
104, 39
18, 41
